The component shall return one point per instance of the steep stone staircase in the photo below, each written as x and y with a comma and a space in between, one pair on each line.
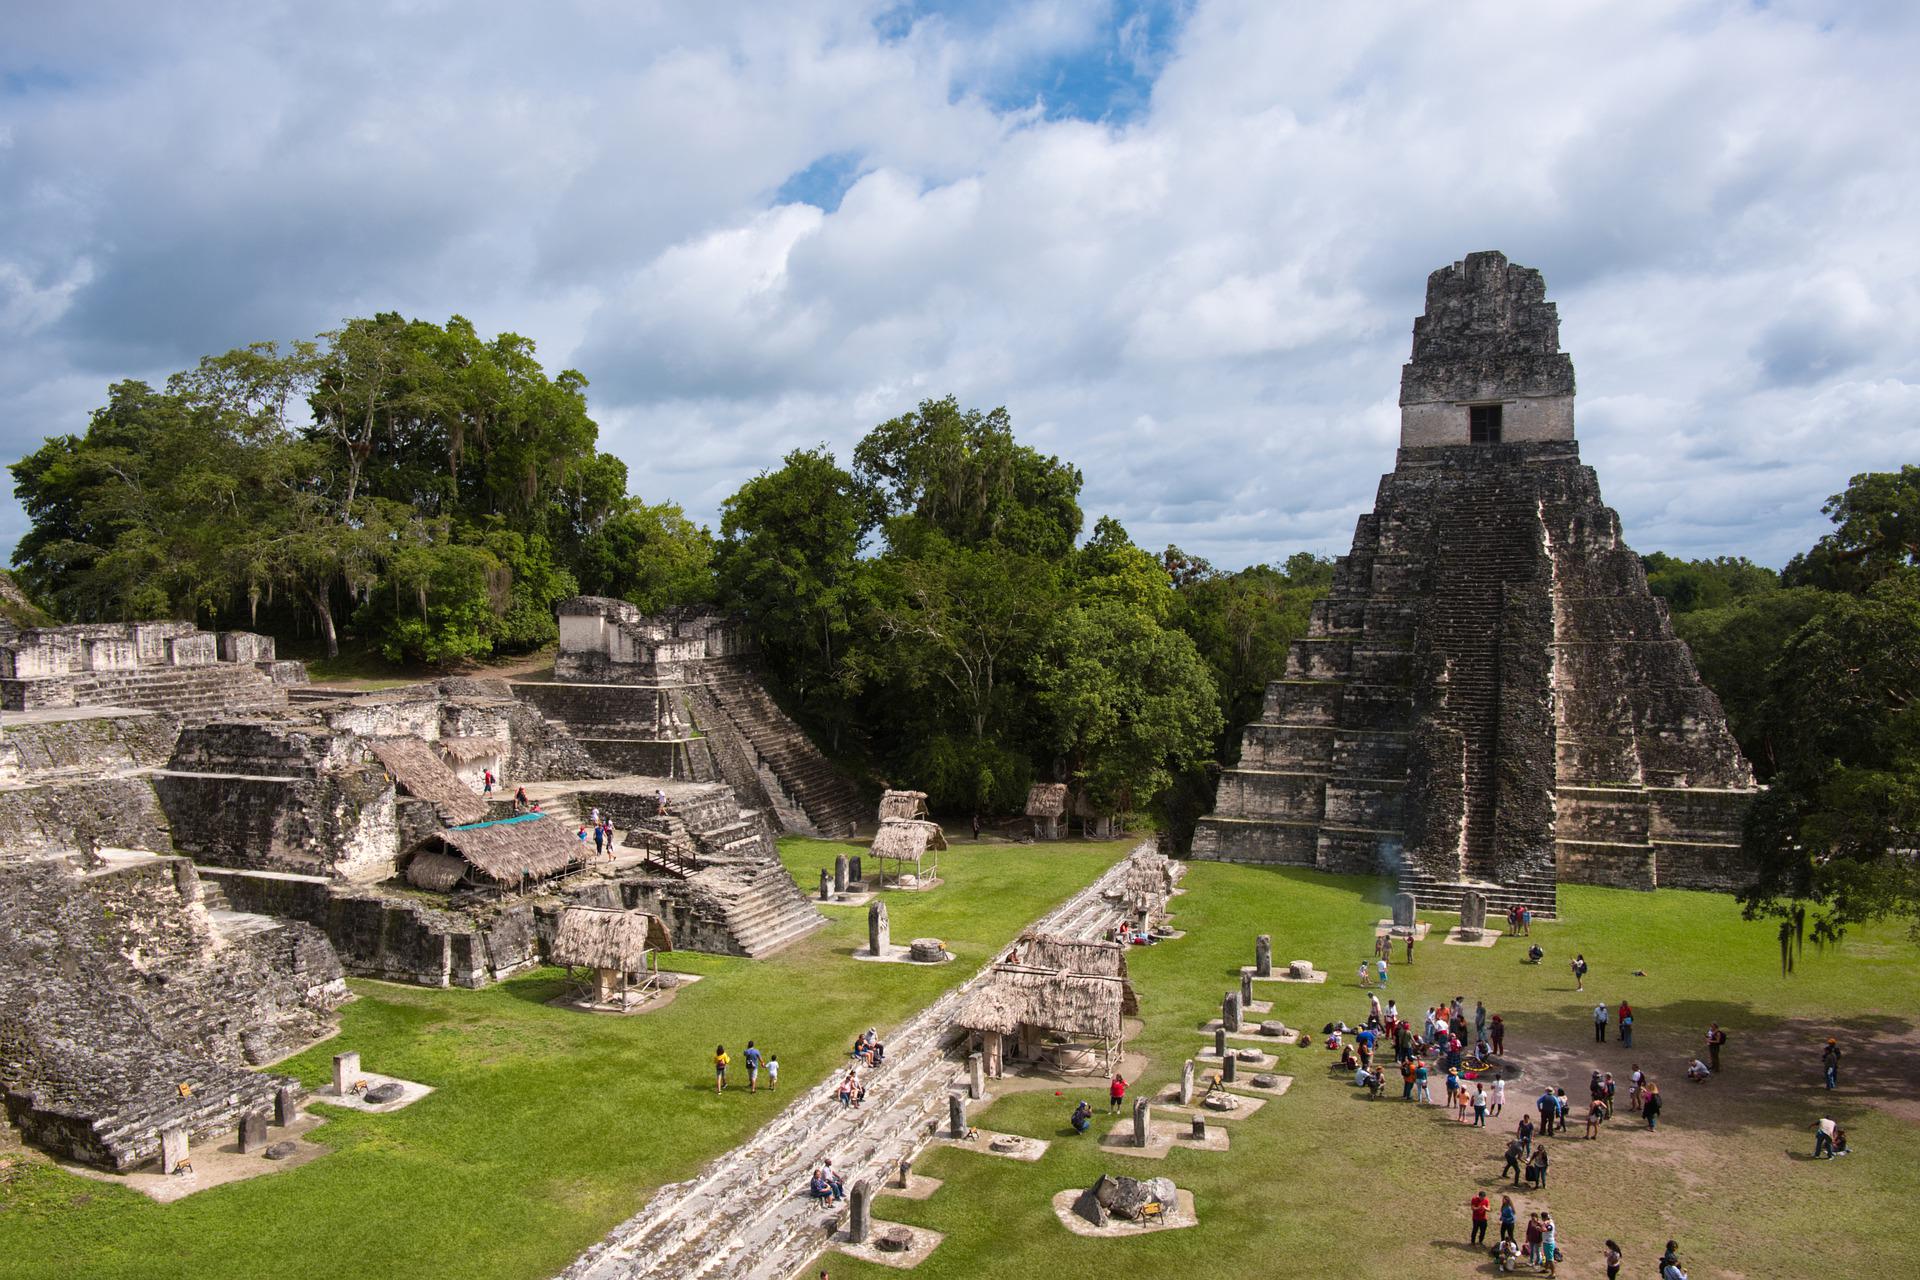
223, 688
829, 801
1540, 893
747, 1215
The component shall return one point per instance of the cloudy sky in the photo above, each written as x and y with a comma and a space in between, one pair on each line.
1183, 243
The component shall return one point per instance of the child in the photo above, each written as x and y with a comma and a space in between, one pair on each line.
720, 1061
773, 1072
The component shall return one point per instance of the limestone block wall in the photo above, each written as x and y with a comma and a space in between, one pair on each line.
65, 816
385, 935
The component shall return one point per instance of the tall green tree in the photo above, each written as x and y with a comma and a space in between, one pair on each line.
789, 557
1876, 534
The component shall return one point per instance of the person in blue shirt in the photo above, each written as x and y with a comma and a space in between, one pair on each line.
1082, 1116
753, 1068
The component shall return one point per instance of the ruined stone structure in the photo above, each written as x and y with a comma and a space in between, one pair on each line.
676, 696
155, 666
132, 1000
1489, 696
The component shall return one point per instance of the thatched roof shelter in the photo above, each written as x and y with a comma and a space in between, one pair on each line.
1073, 1004
907, 839
1047, 800
1094, 958
471, 749
439, 872
529, 847
601, 938
903, 804
420, 772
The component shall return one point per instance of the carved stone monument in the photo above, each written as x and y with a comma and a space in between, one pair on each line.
1230, 1011
1229, 1069
253, 1132
1246, 990
1220, 1042
855, 872
879, 929
859, 1212
1186, 1083
1404, 908
286, 1104
1142, 1121
173, 1150
826, 885
839, 873
346, 1070
1263, 956
956, 1116
976, 1075
1473, 912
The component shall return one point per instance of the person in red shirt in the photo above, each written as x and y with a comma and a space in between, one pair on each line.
1479, 1205
1116, 1092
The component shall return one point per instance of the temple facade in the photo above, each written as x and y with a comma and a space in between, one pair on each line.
1489, 697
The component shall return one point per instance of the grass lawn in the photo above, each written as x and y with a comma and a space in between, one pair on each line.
549, 1126
1323, 1181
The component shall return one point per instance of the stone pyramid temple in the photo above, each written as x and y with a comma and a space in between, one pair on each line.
1489, 698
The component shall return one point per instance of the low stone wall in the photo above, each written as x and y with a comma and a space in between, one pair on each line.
387, 935
62, 817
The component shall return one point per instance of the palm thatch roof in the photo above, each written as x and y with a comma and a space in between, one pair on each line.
907, 839
531, 846
1047, 800
1073, 1004
422, 773
601, 938
1094, 958
466, 750
903, 804
437, 871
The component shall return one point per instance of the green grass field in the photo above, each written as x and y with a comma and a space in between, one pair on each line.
549, 1126
1323, 1181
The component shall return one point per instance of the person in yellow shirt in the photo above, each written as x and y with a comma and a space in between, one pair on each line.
720, 1061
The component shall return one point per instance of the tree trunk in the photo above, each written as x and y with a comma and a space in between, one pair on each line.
323, 614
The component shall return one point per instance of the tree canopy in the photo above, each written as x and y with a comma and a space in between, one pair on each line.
429, 490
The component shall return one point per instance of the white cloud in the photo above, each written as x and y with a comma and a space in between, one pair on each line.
1203, 300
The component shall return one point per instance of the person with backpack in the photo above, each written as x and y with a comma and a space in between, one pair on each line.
752, 1057
1508, 1214
1715, 1038
1650, 1105
1549, 1241
1579, 967
486, 782
1612, 1255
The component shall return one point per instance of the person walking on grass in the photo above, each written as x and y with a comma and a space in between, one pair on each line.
1525, 1134
1409, 948
1423, 1083
1600, 1023
1364, 971
773, 1072
1478, 1207
720, 1061
1116, 1093
1499, 1095
1612, 1255
752, 1058
1516, 1157
1650, 1105
1480, 1106
1829, 1063
1508, 1215
1548, 1108
1383, 973
1624, 1020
